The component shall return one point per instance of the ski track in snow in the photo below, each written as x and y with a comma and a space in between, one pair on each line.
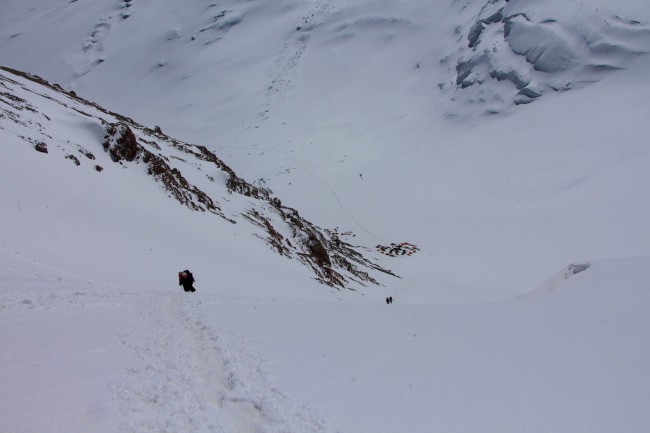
284, 69
179, 375
197, 379
312, 174
92, 52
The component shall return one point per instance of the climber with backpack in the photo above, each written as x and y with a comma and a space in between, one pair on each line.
185, 279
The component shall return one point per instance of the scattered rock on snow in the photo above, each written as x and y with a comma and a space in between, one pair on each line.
41, 147
576, 268
73, 159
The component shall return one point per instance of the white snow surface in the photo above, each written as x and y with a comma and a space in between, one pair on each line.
525, 309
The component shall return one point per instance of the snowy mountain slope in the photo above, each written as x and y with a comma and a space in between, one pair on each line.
195, 45
570, 356
352, 112
81, 355
109, 153
85, 355
247, 56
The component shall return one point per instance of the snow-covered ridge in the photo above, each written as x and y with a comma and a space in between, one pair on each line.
41, 115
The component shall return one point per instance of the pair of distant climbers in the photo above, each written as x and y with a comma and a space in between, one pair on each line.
186, 279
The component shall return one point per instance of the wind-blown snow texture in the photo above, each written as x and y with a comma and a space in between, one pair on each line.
508, 141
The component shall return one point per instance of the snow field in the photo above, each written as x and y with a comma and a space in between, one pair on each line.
91, 356
568, 357
350, 112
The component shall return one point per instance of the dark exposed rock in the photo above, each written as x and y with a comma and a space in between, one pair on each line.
275, 239
120, 142
240, 186
318, 251
73, 159
86, 153
41, 147
176, 184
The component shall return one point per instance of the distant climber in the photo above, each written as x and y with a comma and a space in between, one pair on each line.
186, 279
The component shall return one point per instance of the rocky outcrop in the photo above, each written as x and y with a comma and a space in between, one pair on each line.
120, 142
181, 169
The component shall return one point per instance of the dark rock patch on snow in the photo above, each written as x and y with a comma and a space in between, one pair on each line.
120, 143
574, 268
41, 147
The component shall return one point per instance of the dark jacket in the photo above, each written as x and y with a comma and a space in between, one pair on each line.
187, 281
